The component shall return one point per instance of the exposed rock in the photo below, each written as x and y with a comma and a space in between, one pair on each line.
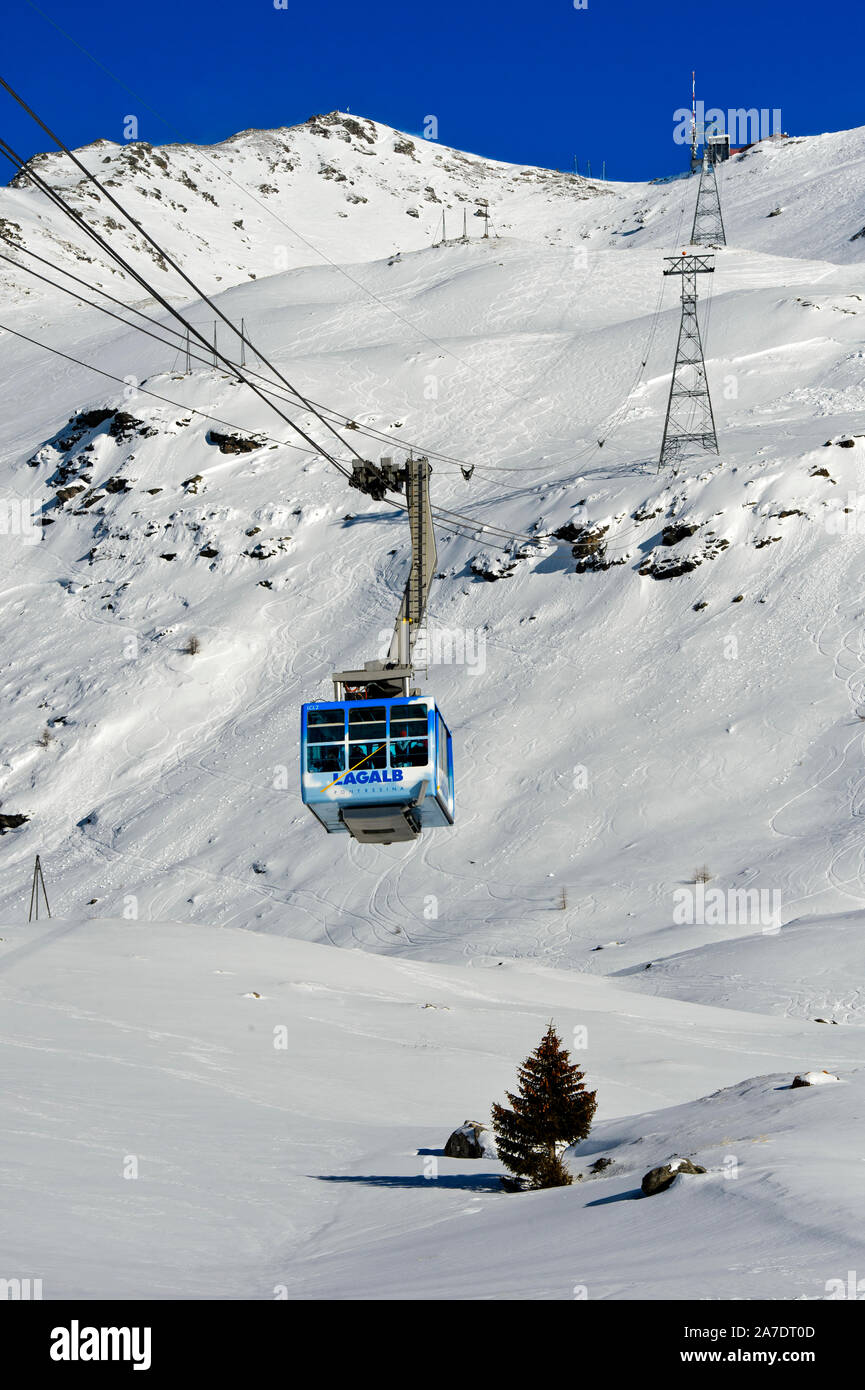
571, 531
589, 548
492, 565
63, 494
124, 426
118, 485
233, 443
265, 550
11, 231
671, 566
659, 1179
668, 569
813, 1078
678, 531
91, 419
11, 822
471, 1140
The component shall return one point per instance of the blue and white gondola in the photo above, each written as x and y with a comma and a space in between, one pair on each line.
380, 770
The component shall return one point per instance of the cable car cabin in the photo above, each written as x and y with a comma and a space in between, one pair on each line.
380, 770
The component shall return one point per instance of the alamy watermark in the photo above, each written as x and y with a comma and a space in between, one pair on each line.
715, 907
444, 646
16, 519
22, 1290
846, 521
745, 126
853, 1288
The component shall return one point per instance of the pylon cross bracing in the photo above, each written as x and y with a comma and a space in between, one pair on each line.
690, 423
708, 224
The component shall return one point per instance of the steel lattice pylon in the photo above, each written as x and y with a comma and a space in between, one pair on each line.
690, 422
708, 226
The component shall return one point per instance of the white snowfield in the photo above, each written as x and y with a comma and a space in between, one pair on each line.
614, 731
168, 1134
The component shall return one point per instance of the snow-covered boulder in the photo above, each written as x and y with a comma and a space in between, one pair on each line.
471, 1140
659, 1179
813, 1078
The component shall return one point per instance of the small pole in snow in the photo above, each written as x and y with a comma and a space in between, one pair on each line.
465, 232
242, 345
188, 353
214, 342
38, 882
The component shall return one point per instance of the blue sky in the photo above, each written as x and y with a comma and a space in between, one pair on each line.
533, 83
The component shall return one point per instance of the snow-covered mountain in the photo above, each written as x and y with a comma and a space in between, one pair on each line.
683, 688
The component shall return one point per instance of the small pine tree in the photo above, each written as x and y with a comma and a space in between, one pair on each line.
552, 1110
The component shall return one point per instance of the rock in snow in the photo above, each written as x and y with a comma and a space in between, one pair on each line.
659, 1179
471, 1140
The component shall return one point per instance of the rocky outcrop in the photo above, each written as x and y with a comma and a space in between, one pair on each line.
233, 443
659, 1179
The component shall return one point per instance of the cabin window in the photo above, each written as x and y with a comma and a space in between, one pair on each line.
325, 726
367, 733
409, 752
367, 722
367, 755
442, 750
325, 757
408, 732
325, 740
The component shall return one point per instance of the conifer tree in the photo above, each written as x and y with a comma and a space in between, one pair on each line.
551, 1110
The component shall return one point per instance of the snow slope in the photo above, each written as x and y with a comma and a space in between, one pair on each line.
618, 730
732, 730
173, 1150
811, 968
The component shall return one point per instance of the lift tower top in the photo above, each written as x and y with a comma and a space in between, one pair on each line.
393, 677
